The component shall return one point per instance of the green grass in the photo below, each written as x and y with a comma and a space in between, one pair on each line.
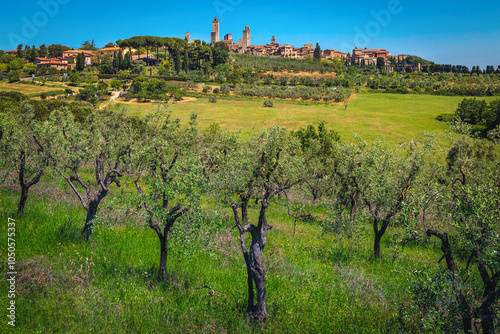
394, 117
317, 282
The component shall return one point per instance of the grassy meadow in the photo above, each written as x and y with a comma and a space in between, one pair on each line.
28, 89
393, 117
317, 282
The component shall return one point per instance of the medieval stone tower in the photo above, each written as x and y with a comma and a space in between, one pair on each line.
246, 38
215, 31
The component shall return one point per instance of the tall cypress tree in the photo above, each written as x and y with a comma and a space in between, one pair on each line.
80, 62
115, 61
185, 63
177, 61
126, 62
20, 51
42, 50
27, 52
120, 61
33, 54
317, 52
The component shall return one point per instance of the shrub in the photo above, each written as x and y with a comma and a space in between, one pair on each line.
213, 99
269, 103
205, 90
43, 96
216, 90
178, 95
225, 90
446, 117
13, 76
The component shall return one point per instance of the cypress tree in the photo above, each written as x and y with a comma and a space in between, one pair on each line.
20, 51
126, 62
80, 62
115, 61
177, 61
317, 52
42, 50
120, 61
33, 54
27, 52
185, 64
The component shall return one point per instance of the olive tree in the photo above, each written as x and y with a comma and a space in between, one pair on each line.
23, 148
474, 209
167, 164
317, 148
257, 171
99, 147
378, 179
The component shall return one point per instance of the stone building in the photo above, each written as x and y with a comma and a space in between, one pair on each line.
306, 50
188, 38
288, 51
331, 54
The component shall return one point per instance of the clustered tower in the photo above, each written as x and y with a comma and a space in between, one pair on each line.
215, 31
246, 38
243, 44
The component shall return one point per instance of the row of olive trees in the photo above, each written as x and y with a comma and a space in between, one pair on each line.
169, 167
278, 64
337, 94
461, 199
173, 167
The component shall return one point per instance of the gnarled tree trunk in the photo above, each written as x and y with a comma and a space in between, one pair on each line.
466, 311
89, 221
91, 205
256, 274
25, 186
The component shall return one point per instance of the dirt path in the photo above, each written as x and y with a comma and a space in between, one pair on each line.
114, 96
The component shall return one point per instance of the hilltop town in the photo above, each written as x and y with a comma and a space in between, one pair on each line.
363, 58
358, 57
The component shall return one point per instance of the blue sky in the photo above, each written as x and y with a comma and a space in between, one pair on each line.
450, 32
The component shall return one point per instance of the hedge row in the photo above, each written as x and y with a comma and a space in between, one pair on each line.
132, 76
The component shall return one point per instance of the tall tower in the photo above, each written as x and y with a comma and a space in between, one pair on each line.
246, 38
215, 31
188, 38
273, 40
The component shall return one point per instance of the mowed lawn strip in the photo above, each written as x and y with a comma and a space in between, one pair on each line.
32, 89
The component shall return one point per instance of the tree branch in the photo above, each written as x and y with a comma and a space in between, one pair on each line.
152, 222
76, 177
82, 201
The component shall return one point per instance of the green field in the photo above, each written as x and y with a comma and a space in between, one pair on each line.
393, 117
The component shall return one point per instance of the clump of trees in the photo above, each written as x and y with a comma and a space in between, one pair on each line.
482, 117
